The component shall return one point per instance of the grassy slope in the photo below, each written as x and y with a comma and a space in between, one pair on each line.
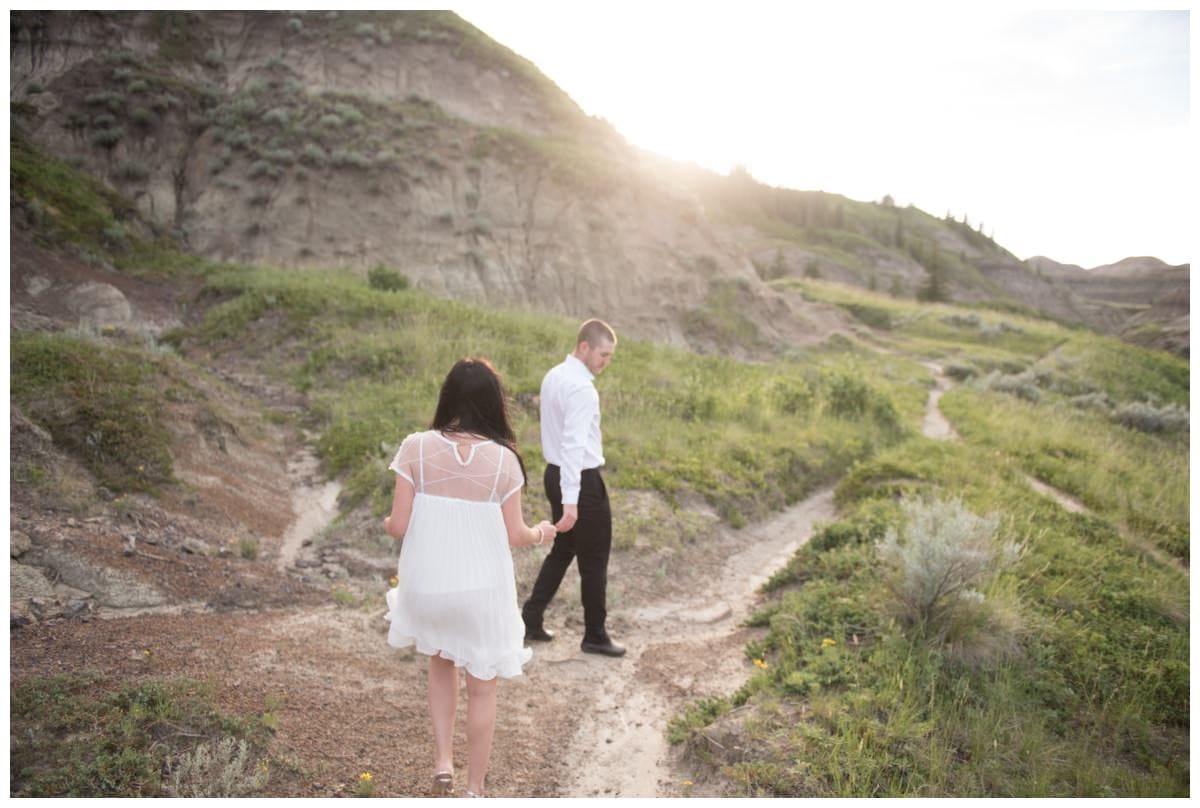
1092, 696
746, 437
1079, 684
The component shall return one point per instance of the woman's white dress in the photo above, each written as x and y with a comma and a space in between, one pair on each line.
457, 596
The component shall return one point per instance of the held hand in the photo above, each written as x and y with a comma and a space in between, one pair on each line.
548, 530
569, 518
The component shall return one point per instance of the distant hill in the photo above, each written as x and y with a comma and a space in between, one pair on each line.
1144, 299
412, 140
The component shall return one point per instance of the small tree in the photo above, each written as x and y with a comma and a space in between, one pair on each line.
933, 290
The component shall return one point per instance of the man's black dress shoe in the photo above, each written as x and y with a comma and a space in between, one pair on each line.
538, 634
605, 646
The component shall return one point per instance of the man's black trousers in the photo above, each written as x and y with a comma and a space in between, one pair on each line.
589, 541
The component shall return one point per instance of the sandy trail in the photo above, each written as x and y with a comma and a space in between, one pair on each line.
682, 649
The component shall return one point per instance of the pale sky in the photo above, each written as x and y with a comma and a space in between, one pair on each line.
1066, 133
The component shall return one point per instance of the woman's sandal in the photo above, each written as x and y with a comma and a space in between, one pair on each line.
443, 783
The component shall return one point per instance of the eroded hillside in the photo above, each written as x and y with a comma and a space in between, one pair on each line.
410, 139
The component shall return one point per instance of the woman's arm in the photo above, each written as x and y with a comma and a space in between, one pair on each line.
396, 523
520, 534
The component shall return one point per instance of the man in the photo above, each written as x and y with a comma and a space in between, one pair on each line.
570, 413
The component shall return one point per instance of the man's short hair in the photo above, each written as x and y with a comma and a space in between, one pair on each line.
593, 332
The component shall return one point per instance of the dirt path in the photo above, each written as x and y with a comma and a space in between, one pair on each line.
935, 424
314, 502
681, 648
279, 639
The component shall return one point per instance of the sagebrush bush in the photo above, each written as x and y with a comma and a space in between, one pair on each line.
348, 113
314, 154
962, 320
939, 563
279, 116
261, 168
222, 768
960, 372
107, 138
1021, 385
131, 171
349, 157
1091, 401
1145, 417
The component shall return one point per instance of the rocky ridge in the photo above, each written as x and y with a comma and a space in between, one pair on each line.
412, 140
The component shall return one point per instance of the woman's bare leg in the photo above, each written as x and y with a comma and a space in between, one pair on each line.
443, 701
481, 726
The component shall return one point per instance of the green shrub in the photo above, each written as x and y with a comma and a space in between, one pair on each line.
697, 715
79, 735
960, 372
387, 280
314, 154
263, 168
278, 116
1021, 385
874, 316
348, 113
143, 118
131, 171
349, 157
107, 138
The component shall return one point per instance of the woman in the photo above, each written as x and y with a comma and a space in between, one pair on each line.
457, 505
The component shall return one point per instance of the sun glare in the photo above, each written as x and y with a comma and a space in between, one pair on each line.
983, 113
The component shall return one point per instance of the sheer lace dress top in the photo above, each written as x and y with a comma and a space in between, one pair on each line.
458, 467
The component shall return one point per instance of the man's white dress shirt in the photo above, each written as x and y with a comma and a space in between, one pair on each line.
570, 412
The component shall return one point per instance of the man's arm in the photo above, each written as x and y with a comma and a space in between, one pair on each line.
581, 405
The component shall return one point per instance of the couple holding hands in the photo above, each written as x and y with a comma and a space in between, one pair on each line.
457, 505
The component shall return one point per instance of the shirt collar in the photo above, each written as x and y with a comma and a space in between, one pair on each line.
574, 362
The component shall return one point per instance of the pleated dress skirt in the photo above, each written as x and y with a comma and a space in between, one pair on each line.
457, 596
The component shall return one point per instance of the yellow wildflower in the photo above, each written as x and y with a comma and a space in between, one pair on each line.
365, 777
393, 581
825, 643
759, 663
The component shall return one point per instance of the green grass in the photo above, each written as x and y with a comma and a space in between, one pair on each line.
82, 735
1132, 479
940, 329
65, 205
1078, 685
103, 403
749, 438
67, 208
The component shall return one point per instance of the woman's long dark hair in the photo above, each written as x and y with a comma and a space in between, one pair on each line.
472, 401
